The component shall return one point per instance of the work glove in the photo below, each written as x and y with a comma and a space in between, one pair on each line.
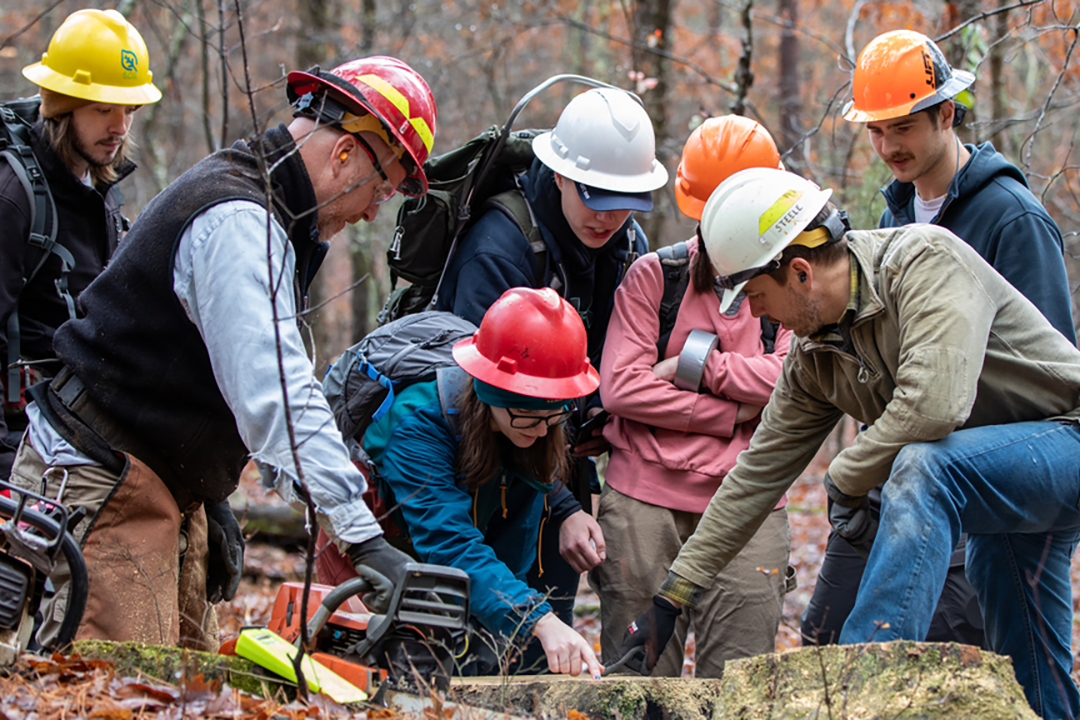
851, 518
383, 566
225, 562
652, 630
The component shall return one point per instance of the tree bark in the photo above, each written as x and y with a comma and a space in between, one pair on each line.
652, 21
790, 102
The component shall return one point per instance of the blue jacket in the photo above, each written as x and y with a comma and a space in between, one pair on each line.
414, 451
990, 207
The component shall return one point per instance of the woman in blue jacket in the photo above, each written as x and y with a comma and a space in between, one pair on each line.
517, 374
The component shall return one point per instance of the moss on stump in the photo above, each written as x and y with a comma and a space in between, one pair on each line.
172, 664
902, 679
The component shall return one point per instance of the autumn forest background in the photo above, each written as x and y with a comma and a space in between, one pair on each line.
786, 63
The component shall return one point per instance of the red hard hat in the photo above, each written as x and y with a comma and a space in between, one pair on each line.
391, 91
531, 342
716, 150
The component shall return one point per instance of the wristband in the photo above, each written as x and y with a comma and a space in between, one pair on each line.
695, 353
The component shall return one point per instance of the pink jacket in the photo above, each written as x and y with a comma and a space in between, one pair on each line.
672, 447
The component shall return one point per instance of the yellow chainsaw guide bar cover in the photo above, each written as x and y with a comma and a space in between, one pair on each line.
269, 650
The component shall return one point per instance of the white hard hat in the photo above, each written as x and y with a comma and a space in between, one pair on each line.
750, 218
604, 139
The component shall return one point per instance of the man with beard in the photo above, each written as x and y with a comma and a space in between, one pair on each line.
93, 78
909, 98
189, 360
972, 401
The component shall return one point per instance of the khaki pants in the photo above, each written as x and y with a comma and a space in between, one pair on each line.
738, 615
133, 538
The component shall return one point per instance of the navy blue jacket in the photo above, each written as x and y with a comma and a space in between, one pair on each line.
415, 453
495, 256
990, 207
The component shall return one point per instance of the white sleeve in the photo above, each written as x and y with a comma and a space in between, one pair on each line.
234, 264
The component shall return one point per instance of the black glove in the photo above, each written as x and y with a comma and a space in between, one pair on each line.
226, 559
851, 518
653, 630
382, 565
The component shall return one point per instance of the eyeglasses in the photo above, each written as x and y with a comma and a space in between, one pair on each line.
384, 190
526, 422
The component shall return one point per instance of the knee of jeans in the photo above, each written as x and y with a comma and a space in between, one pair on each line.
916, 473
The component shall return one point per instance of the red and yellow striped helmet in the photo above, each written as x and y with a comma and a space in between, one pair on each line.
383, 95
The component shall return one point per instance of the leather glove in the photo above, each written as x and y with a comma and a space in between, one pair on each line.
851, 518
653, 630
383, 566
225, 563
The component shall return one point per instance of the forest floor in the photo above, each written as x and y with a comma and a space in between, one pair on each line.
59, 689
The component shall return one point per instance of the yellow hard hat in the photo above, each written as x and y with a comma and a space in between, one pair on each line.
99, 56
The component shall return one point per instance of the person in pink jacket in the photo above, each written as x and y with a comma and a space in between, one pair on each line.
683, 408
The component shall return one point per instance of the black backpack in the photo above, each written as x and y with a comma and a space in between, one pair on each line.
675, 262
362, 384
462, 185
16, 119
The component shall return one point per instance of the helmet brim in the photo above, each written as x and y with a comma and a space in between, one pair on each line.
960, 81
470, 360
47, 78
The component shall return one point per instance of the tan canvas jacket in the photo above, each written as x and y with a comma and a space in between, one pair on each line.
941, 342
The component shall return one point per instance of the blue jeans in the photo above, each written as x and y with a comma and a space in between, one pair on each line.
1015, 490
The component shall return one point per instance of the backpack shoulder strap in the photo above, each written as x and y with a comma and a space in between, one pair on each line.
451, 382
675, 264
768, 335
513, 204
41, 241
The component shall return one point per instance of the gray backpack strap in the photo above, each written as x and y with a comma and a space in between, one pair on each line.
513, 204
452, 382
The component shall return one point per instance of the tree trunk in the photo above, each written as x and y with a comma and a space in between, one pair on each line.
998, 108
652, 20
790, 104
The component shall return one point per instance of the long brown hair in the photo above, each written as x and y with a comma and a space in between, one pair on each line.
61, 136
482, 451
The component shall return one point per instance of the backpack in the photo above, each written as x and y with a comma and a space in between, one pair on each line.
675, 262
362, 384
463, 184
16, 119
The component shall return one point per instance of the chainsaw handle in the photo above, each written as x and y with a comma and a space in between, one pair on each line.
334, 600
80, 585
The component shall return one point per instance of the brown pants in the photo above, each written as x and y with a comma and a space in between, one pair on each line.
738, 615
145, 562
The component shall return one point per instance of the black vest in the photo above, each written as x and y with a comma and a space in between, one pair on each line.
141, 360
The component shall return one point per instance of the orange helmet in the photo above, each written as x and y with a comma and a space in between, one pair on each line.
900, 73
531, 342
380, 94
716, 150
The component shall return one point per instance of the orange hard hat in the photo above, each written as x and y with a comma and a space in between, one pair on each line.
716, 150
900, 73
533, 343
381, 94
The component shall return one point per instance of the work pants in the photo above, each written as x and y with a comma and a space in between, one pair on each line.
738, 615
145, 562
1015, 490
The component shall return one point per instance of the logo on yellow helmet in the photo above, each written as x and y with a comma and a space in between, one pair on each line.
130, 62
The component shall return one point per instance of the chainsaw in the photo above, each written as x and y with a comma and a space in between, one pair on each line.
403, 658
34, 533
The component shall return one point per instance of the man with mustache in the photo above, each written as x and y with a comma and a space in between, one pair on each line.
93, 78
907, 95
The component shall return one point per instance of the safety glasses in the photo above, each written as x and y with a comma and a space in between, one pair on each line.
734, 280
525, 422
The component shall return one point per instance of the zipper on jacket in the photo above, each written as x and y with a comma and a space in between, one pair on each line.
502, 492
540, 539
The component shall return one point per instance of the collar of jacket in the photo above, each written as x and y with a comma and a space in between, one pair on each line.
57, 172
